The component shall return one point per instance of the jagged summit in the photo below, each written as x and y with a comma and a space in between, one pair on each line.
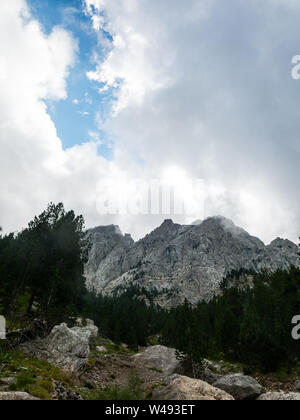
181, 261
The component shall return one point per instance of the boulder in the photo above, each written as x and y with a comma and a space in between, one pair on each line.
67, 348
16, 396
241, 387
279, 396
101, 349
209, 377
7, 381
91, 331
182, 388
161, 358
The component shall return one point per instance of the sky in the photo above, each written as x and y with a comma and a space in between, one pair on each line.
98, 92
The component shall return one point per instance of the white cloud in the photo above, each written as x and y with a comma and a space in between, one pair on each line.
134, 67
207, 87
34, 169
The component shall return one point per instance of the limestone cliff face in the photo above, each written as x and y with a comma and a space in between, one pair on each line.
181, 262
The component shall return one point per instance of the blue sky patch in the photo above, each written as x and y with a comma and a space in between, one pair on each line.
75, 118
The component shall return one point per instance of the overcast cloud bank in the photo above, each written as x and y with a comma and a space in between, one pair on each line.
201, 92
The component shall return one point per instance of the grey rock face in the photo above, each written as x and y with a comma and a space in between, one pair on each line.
106, 260
279, 396
162, 358
181, 262
239, 386
67, 348
16, 396
182, 388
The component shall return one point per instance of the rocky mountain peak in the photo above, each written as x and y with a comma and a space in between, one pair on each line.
283, 243
181, 262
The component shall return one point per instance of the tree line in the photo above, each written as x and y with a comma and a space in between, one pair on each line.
250, 325
42, 267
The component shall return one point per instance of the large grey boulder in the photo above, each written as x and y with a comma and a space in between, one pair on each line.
182, 388
161, 358
279, 396
209, 377
67, 348
16, 396
181, 262
241, 387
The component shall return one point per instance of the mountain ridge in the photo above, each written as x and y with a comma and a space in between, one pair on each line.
180, 262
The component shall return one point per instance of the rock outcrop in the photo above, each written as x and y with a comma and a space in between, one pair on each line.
160, 358
16, 396
279, 396
106, 261
182, 388
67, 348
241, 387
181, 262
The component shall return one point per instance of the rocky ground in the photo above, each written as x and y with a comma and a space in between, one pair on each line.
76, 364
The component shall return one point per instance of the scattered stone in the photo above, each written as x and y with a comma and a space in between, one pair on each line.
16, 396
101, 349
212, 366
241, 387
298, 386
65, 394
161, 358
182, 388
279, 396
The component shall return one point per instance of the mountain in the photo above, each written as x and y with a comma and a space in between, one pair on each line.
180, 262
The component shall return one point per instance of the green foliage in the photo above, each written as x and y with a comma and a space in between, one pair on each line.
23, 380
12, 363
125, 318
250, 325
41, 268
38, 392
31, 375
41, 389
131, 392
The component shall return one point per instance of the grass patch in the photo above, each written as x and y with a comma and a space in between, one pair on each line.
39, 392
111, 347
131, 392
31, 375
